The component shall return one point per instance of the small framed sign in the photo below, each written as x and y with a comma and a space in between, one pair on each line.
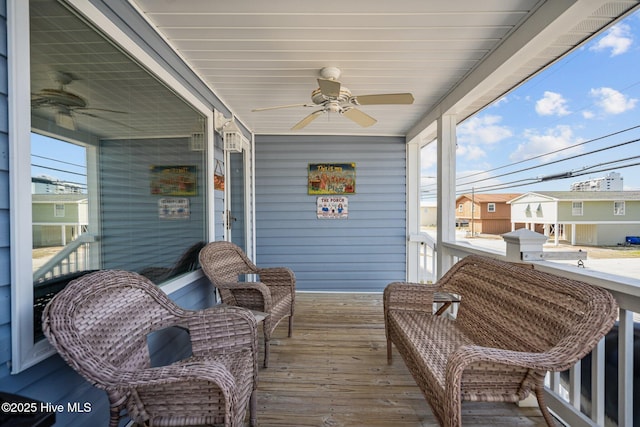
332, 207
331, 178
179, 180
174, 208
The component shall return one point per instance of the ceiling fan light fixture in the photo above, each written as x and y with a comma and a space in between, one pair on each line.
330, 73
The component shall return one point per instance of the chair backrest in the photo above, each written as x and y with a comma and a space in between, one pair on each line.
509, 306
99, 323
224, 261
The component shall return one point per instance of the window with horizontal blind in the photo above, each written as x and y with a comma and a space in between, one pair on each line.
576, 208
118, 163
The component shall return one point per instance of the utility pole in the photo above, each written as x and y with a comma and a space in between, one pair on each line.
473, 210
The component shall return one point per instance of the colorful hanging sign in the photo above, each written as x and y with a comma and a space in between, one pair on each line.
332, 178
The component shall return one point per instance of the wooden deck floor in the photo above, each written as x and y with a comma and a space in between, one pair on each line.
333, 372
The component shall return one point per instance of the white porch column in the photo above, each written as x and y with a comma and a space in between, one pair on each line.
447, 142
573, 234
413, 210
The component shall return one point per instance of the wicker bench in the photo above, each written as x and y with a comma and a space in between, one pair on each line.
513, 325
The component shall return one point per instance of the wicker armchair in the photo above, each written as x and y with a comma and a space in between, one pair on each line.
224, 263
99, 324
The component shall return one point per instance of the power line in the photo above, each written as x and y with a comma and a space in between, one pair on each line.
58, 170
519, 183
553, 152
564, 174
556, 161
59, 161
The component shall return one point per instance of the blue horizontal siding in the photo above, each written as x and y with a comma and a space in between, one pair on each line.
364, 252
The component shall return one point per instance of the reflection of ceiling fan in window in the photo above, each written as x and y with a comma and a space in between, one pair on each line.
66, 105
332, 97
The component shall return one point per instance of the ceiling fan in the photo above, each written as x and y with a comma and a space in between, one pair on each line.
332, 97
67, 104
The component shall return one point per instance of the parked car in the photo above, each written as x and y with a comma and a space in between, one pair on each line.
632, 240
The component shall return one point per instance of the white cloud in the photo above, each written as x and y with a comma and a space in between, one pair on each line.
553, 139
500, 101
611, 101
588, 114
618, 38
429, 158
552, 104
483, 130
472, 152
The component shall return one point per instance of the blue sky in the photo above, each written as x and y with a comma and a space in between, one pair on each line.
592, 93
69, 164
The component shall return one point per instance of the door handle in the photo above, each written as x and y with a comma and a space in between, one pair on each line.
230, 220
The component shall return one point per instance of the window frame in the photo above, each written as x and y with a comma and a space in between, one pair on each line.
59, 210
491, 207
25, 353
616, 210
574, 209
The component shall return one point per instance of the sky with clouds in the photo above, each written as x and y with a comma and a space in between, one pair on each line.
580, 116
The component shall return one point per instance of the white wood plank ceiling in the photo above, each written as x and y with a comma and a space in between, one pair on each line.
453, 56
256, 54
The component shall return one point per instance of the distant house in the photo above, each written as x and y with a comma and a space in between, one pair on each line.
58, 218
580, 217
485, 213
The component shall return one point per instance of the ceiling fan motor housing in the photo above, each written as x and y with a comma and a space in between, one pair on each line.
319, 98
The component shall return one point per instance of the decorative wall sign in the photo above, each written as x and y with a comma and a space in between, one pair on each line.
332, 178
332, 207
174, 180
174, 208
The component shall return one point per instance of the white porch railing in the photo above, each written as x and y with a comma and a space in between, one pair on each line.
74, 257
566, 399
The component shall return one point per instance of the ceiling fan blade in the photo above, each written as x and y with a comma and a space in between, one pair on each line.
282, 106
329, 88
304, 122
359, 117
389, 98
115, 122
37, 101
101, 109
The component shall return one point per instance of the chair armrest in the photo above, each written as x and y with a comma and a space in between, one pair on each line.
222, 329
463, 357
278, 276
410, 296
212, 370
161, 382
558, 358
252, 295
